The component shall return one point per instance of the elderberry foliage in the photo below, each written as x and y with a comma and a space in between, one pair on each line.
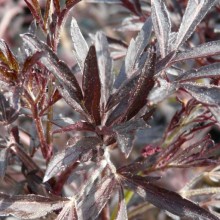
106, 163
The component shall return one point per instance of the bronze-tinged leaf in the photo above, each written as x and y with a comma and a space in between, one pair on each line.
29, 206
92, 86
47, 12
7, 56
167, 200
91, 204
83, 150
56, 4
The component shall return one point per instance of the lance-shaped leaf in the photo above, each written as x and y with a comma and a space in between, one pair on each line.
209, 71
7, 56
91, 85
203, 50
69, 87
168, 200
83, 150
105, 66
122, 209
125, 134
195, 12
91, 204
206, 94
78, 126
136, 88
29, 206
161, 91
80, 46
162, 25
145, 83
134, 51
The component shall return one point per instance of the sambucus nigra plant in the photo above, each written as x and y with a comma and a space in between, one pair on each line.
112, 108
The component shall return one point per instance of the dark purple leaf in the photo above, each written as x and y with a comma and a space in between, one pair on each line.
165, 62
161, 92
123, 91
141, 165
162, 25
203, 50
122, 209
195, 12
80, 46
35, 185
133, 6
209, 71
91, 204
92, 86
83, 150
29, 206
31, 60
134, 51
132, 95
34, 7
78, 126
145, 83
105, 66
206, 94
168, 200
125, 134
117, 115
69, 87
